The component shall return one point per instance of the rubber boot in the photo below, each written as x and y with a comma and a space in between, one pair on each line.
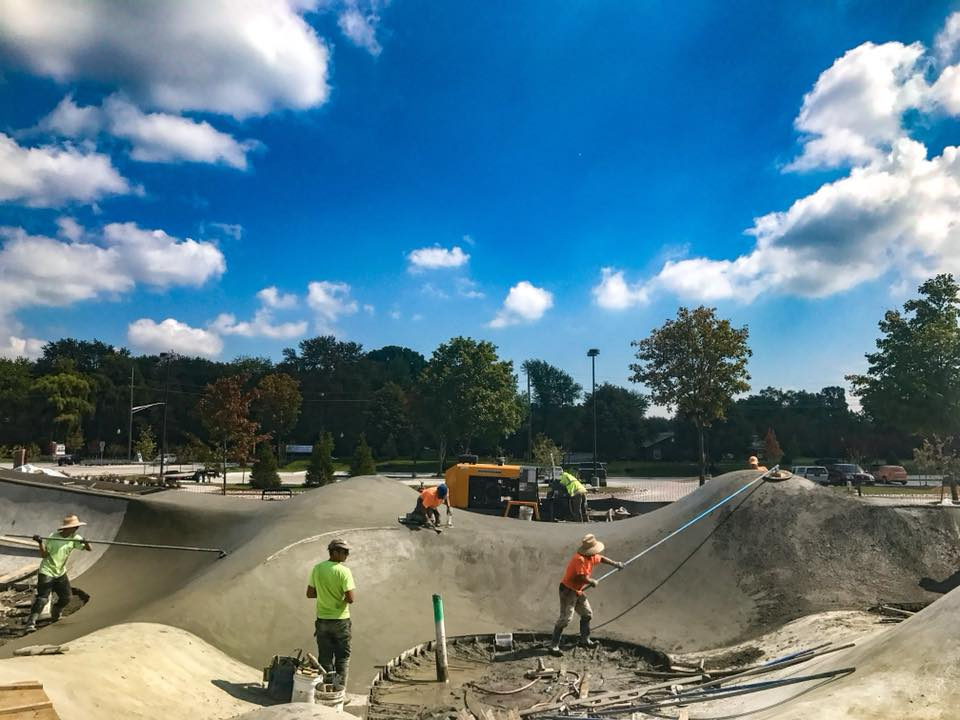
585, 640
555, 643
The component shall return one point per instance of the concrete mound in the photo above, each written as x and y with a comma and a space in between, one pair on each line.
774, 553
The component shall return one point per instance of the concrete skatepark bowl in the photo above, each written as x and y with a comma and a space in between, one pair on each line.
775, 553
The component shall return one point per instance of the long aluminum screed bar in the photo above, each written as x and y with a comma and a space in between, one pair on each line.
683, 527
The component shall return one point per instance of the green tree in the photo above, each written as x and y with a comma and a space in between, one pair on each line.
67, 393
913, 380
388, 417
546, 453
467, 392
146, 444
620, 422
264, 475
277, 407
938, 456
362, 462
16, 413
320, 469
695, 363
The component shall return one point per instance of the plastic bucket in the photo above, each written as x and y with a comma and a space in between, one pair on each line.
330, 695
305, 688
525, 513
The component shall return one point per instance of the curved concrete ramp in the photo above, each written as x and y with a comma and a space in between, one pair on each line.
776, 552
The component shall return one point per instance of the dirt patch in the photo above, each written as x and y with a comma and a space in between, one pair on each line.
482, 678
15, 604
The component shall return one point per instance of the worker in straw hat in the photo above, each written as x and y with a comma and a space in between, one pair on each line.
331, 583
52, 576
755, 464
572, 599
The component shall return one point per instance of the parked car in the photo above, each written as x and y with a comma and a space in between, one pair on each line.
69, 459
816, 473
843, 473
585, 472
890, 473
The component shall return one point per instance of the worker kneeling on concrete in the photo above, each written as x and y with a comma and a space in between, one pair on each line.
572, 599
52, 576
577, 494
331, 583
430, 499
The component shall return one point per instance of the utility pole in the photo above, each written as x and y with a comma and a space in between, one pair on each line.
592, 354
130, 428
167, 358
529, 417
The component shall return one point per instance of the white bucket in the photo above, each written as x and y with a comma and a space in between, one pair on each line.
525, 513
305, 688
330, 696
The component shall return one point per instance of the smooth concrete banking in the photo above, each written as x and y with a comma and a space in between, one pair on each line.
775, 553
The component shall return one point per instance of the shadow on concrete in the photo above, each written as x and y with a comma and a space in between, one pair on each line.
940, 586
248, 692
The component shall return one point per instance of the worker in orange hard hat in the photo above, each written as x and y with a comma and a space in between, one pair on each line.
755, 464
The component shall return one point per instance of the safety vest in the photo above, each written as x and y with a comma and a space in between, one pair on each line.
571, 484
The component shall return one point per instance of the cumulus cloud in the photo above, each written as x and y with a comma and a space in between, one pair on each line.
436, 257
13, 347
262, 325
44, 271
52, 176
219, 56
895, 211
360, 26
153, 137
273, 298
614, 293
330, 301
153, 338
467, 288
524, 303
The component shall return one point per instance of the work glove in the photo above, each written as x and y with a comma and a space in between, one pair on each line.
591, 582
619, 565
37, 538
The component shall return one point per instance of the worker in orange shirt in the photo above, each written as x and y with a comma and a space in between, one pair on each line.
430, 499
755, 464
575, 580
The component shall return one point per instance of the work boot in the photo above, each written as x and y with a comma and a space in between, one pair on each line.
585, 640
555, 642
31, 625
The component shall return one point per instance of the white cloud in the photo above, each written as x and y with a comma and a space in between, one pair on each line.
14, 347
234, 231
153, 137
467, 288
273, 298
895, 213
436, 257
219, 56
395, 315
432, 291
262, 325
52, 176
614, 293
360, 27
150, 337
524, 303
369, 309
43, 271
947, 41
330, 301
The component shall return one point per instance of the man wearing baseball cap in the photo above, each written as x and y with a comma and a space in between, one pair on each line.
575, 580
331, 584
52, 576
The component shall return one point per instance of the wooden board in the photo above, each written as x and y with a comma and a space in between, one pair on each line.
25, 701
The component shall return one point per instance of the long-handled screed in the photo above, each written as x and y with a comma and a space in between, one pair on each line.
184, 548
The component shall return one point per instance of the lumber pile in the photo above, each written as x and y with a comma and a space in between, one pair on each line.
25, 701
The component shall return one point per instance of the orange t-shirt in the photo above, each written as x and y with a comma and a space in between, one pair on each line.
579, 565
430, 498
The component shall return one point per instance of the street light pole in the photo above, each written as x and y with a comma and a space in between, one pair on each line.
592, 354
166, 358
130, 429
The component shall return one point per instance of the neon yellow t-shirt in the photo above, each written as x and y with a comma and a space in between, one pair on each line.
58, 550
331, 580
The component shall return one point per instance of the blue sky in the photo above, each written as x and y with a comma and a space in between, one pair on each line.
226, 181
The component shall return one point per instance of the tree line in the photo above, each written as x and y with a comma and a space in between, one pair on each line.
464, 397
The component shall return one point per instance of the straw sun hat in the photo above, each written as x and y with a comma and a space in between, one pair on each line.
589, 545
71, 521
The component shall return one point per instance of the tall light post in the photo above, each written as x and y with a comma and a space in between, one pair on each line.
165, 358
592, 354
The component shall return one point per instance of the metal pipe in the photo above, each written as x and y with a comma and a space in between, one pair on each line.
691, 522
441, 648
185, 548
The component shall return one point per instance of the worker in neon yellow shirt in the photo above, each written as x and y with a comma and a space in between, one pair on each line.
331, 584
52, 576
577, 493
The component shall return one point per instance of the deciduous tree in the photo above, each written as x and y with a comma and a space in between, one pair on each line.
263, 475
695, 363
277, 407
225, 410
